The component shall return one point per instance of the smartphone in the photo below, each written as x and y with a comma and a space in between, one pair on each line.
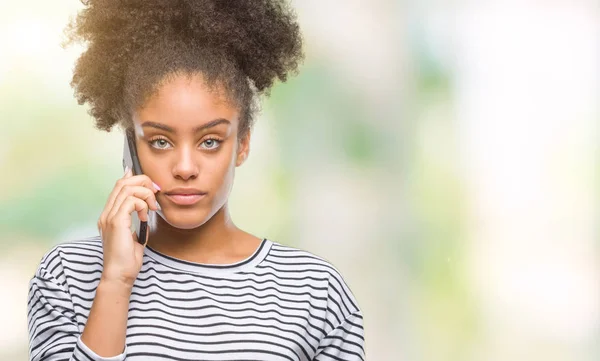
131, 160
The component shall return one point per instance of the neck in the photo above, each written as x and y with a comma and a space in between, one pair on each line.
208, 243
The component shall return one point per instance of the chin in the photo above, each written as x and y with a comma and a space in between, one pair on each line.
187, 220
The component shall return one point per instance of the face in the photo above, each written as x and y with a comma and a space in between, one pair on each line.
190, 148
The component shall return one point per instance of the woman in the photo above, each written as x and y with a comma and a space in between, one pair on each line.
183, 77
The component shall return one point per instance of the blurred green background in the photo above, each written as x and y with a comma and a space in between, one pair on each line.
443, 155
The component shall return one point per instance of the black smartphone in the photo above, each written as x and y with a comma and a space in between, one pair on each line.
131, 160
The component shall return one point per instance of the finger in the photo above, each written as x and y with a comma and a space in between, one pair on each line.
146, 194
142, 180
113, 195
137, 191
123, 216
127, 180
139, 206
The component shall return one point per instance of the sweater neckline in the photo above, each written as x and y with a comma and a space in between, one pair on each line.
194, 267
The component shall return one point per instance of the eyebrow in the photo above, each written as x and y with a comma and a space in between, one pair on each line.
211, 124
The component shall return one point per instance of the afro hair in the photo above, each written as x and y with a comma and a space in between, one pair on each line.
134, 45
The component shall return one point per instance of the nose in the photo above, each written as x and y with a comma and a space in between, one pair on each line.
186, 167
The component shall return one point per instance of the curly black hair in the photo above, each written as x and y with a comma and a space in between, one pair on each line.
134, 45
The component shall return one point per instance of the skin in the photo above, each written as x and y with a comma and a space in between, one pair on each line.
178, 157
205, 160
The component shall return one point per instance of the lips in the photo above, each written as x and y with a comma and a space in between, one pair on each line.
184, 196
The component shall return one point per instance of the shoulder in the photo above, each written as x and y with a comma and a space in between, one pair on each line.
339, 293
70, 255
301, 260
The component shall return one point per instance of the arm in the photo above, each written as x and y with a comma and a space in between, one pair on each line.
106, 327
345, 342
53, 330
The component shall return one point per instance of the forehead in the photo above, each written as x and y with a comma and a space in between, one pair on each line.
187, 101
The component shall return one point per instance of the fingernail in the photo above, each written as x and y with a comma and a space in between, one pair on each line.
126, 170
156, 186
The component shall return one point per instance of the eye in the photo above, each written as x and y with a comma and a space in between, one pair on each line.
211, 144
160, 143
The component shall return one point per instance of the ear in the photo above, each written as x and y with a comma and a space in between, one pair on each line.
243, 149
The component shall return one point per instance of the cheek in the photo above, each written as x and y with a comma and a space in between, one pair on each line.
158, 173
220, 176
222, 166
151, 167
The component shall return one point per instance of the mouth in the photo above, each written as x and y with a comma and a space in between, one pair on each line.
185, 197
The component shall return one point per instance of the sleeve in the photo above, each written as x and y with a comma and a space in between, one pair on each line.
345, 339
345, 342
53, 331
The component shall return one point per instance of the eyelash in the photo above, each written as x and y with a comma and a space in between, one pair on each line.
155, 139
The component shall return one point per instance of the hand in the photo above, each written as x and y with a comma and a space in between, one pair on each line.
122, 252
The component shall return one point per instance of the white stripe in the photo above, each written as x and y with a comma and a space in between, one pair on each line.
280, 304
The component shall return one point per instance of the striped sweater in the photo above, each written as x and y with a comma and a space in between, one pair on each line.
281, 303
